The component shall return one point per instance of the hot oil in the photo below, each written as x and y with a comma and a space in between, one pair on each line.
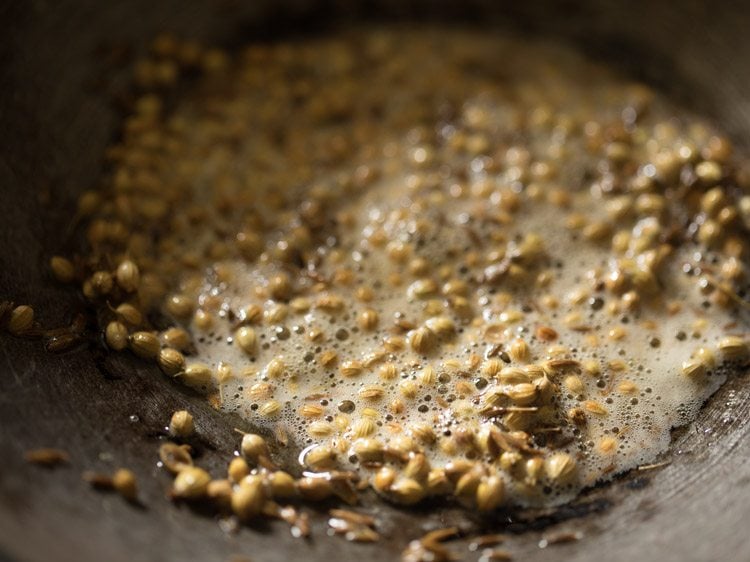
453, 263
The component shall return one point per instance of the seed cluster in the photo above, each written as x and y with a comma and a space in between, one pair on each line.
254, 484
501, 283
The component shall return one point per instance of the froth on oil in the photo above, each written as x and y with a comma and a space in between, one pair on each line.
452, 262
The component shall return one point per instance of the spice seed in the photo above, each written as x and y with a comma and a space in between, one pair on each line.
191, 483
144, 344
47, 457
21, 320
124, 482
181, 424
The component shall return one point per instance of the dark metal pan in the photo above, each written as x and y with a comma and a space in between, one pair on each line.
58, 79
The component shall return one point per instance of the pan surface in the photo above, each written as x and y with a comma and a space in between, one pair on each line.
60, 68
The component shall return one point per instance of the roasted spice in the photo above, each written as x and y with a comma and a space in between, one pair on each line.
389, 278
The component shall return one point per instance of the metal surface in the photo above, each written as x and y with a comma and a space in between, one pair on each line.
56, 119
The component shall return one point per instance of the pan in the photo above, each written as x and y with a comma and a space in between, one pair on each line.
62, 65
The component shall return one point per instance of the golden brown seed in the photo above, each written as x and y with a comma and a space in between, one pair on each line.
328, 358
320, 429
46, 456
533, 468
398, 251
89, 202
422, 340
368, 449
220, 492
364, 294
176, 338
596, 231
422, 288
438, 482
351, 368
455, 287
320, 458
175, 458
423, 433
693, 369
300, 304
418, 467
419, 267
519, 350
129, 314
311, 411
145, 344
171, 361
179, 306
124, 482
116, 335
523, 394
709, 172
253, 447
577, 416
128, 276
372, 358
280, 286
442, 326
554, 366
246, 339
282, 484
191, 483
62, 269
727, 216
21, 319
181, 424
196, 375
248, 498
383, 479
490, 493
237, 469
408, 388
393, 344
491, 367
102, 283
712, 200
330, 303
260, 391
627, 387
275, 368
387, 371
513, 375
428, 376
368, 319
545, 333
270, 408
560, 467
574, 384
407, 491
403, 444
607, 445
371, 392
314, 489
591, 367
203, 320
733, 347
509, 459
468, 483
595, 408
252, 314
370, 413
